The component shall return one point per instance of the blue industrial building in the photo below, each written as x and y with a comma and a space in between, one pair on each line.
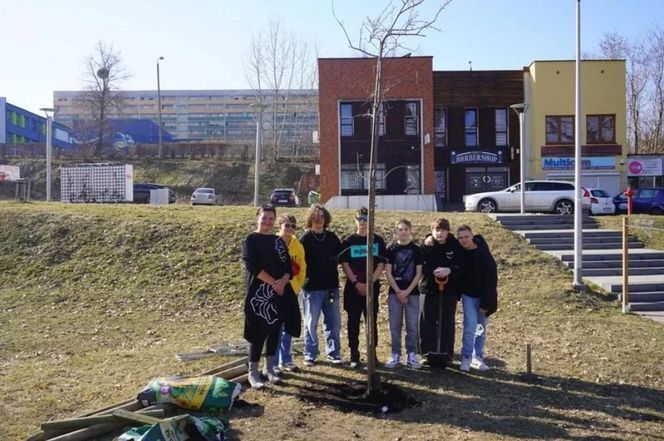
20, 126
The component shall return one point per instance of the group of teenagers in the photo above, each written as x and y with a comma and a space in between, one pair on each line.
426, 282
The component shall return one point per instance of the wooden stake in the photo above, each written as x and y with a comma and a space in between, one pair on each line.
80, 423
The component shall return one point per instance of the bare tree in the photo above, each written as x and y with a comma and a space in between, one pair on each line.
380, 37
277, 64
655, 64
103, 76
614, 46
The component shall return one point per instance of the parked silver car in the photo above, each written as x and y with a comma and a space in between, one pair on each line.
204, 196
549, 196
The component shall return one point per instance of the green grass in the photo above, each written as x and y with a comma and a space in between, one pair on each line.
96, 299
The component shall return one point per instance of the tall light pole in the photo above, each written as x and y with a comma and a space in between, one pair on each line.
49, 148
161, 151
521, 110
578, 209
258, 108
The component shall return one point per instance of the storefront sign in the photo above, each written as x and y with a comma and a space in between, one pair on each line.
475, 157
567, 163
644, 167
9, 173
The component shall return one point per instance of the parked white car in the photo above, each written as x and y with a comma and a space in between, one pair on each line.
601, 202
204, 196
548, 196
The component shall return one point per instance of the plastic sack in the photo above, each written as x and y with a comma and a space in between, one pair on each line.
180, 428
207, 393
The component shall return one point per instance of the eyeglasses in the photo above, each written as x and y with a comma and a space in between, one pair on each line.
293, 226
361, 218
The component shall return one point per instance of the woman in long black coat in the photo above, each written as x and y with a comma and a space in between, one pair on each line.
268, 270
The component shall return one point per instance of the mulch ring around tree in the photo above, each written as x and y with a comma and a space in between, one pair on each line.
353, 397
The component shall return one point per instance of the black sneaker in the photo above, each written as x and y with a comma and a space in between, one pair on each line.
334, 359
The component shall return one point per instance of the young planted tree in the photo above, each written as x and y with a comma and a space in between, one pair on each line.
277, 64
383, 36
103, 77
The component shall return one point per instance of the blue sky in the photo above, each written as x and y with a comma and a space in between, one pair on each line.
45, 43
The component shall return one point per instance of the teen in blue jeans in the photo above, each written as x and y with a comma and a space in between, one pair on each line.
320, 292
479, 296
327, 302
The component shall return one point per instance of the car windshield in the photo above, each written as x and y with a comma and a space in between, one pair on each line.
283, 193
204, 190
599, 193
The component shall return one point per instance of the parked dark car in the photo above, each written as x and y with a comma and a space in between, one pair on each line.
142, 193
285, 197
648, 200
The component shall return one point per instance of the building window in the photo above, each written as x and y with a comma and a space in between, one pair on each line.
601, 129
560, 130
346, 120
501, 127
440, 127
412, 179
411, 120
352, 179
470, 123
381, 120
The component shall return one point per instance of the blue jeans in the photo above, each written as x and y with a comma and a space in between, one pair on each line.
313, 303
412, 312
473, 344
284, 348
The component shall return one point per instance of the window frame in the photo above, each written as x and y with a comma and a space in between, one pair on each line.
347, 171
438, 133
504, 130
472, 130
346, 121
558, 119
411, 119
600, 140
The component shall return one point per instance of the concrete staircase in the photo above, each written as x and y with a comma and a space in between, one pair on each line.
601, 255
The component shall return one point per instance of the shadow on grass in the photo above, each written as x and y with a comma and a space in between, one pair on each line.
501, 403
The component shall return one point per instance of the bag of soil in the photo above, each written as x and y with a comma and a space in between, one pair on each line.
207, 393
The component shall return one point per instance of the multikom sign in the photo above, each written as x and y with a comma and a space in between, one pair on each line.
567, 163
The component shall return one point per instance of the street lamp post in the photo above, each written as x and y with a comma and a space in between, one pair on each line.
49, 148
161, 151
521, 110
258, 107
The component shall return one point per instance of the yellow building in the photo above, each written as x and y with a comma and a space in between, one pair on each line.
549, 123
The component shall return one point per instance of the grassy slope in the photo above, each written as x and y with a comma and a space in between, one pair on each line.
94, 301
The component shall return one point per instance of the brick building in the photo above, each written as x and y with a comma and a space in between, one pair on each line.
405, 166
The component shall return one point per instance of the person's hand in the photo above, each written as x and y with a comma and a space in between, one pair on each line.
279, 286
402, 296
361, 288
442, 272
429, 241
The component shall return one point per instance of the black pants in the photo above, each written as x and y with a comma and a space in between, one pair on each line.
264, 337
355, 306
429, 324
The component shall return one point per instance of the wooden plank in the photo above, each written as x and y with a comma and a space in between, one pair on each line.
80, 423
136, 417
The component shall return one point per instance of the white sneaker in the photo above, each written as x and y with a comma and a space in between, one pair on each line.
465, 364
479, 364
255, 380
394, 361
413, 362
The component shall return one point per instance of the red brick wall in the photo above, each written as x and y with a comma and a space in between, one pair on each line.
353, 79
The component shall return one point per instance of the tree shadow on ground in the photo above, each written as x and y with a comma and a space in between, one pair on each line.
502, 403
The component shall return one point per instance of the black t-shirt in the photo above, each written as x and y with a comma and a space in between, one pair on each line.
354, 252
404, 260
321, 251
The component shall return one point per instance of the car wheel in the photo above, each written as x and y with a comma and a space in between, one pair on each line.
487, 206
657, 210
564, 206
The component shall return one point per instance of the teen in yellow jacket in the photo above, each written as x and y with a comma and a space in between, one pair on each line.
287, 226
